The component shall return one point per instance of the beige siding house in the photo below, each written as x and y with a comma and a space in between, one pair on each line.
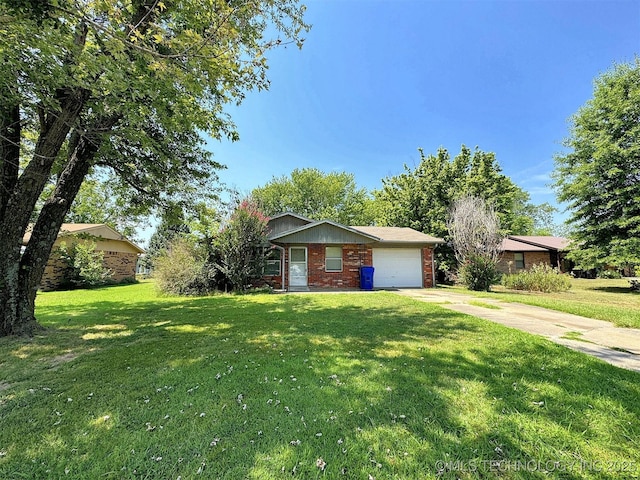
120, 254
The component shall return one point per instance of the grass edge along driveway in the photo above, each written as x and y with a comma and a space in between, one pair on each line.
610, 300
125, 384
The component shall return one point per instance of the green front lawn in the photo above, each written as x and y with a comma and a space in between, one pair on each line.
602, 299
367, 385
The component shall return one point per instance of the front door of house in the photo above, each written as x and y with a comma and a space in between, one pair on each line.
298, 266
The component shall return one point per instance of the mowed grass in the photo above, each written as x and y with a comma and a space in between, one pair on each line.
602, 299
124, 384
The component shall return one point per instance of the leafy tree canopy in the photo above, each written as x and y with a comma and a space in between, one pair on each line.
128, 85
198, 225
101, 201
172, 225
421, 197
600, 177
317, 195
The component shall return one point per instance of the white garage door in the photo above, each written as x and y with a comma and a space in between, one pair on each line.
397, 267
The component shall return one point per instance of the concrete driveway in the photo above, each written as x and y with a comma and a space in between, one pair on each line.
615, 345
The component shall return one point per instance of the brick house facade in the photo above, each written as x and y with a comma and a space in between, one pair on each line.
353, 257
522, 252
509, 261
318, 266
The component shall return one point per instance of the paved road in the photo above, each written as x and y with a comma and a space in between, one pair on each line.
615, 345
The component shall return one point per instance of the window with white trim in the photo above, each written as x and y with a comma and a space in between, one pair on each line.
333, 259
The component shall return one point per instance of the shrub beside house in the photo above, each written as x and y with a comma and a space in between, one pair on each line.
120, 255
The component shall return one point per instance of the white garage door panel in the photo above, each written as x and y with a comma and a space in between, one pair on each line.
397, 267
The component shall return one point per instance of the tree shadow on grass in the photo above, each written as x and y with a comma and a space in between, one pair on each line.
376, 376
618, 290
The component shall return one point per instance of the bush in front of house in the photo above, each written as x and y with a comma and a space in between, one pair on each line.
474, 228
240, 246
478, 273
231, 259
84, 265
182, 269
539, 278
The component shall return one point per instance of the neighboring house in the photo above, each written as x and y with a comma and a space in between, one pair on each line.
520, 252
324, 254
120, 254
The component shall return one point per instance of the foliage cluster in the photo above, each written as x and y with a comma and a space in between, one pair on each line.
233, 258
182, 269
610, 274
84, 266
104, 200
421, 197
478, 273
539, 278
240, 246
317, 195
600, 177
172, 226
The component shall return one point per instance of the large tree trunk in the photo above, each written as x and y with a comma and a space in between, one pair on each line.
45, 231
9, 163
9, 152
21, 196
21, 274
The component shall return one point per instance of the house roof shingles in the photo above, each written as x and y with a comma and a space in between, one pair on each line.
509, 245
389, 235
100, 230
398, 235
547, 242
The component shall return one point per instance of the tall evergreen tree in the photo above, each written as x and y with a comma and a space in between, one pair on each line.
600, 177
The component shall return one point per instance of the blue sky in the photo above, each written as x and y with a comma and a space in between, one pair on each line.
375, 80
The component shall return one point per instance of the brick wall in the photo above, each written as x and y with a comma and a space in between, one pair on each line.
353, 257
273, 281
427, 267
530, 259
53, 273
121, 264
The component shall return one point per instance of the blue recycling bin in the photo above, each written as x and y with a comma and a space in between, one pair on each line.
366, 278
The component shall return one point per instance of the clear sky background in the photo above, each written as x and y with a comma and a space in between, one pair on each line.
377, 79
